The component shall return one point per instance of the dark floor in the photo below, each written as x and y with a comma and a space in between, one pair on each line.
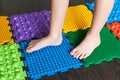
104, 71
11, 7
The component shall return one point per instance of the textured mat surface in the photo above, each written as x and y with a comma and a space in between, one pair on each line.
115, 14
49, 60
10, 64
115, 28
29, 26
108, 49
5, 34
77, 17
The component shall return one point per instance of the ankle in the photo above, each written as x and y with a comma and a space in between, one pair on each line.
55, 36
55, 39
94, 34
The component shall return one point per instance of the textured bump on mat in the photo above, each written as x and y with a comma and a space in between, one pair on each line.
50, 60
115, 28
77, 17
109, 48
115, 14
5, 34
10, 64
30, 26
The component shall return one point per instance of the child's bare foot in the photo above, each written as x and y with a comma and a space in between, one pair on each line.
44, 42
86, 47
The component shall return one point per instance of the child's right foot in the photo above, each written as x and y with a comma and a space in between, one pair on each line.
44, 42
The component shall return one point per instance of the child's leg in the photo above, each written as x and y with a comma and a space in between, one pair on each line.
92, 39
59, 8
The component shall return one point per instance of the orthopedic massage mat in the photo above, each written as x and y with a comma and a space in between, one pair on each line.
49, 60
5, 34
30, 26
115, 28
10, 64
109, 48
77, 17
115, 14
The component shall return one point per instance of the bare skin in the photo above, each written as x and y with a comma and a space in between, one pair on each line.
92, 39
54, 38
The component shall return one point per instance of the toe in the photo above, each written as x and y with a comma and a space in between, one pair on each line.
77, 54
33, 48
82, 56
73, 51
29, 49
29, 46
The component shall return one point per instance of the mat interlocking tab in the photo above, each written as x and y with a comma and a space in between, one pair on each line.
109, 48
49, 60
77, 17
115, 14
5, 34
115, 28
29, 26
10, 64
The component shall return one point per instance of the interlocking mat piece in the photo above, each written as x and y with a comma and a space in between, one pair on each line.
50, 60
29, 26
109, 48
77, 17
5, 34
115, 28
10, 64
115, 14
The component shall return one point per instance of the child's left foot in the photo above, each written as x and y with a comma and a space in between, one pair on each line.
35, 45
86, 47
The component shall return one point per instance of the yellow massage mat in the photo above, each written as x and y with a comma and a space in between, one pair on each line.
77, 17
5, 34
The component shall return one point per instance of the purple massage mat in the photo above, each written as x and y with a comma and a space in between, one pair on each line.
30, 25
